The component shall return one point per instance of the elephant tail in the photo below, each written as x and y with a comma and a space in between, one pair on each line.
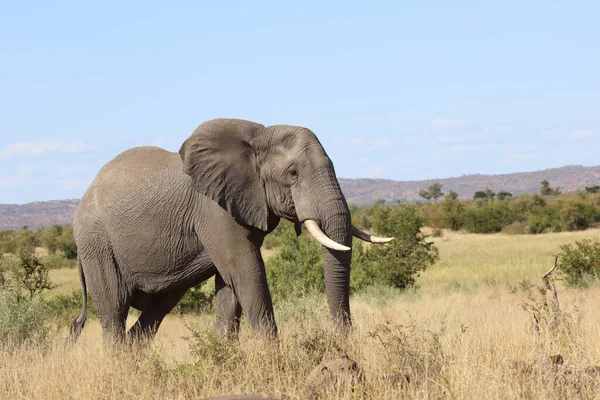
79, 321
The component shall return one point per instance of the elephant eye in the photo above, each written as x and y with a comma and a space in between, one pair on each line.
293, 172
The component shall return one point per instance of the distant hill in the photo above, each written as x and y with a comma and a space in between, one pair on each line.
39, 213
357, 191
568, 179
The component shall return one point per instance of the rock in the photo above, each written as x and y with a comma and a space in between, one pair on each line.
556, 359
240, 397
333, 371
398, 379
522, 367
593, 370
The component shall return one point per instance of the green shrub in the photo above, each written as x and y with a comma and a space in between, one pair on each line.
297, 267
196, 300
62, 308
577, 215
22, 315
491, 218
25, 240
66, 243
278, 236
48, 237
579, 262
21, 319
31, 274
515, 228
26, 276
57, 260
8, 242
543, 219
398, 263
452, 210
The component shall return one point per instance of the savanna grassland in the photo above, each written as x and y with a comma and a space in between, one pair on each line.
467, 332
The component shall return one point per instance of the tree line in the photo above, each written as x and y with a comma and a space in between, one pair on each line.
489, 211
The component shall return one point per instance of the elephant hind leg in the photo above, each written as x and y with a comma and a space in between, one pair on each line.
154, 309
109, 292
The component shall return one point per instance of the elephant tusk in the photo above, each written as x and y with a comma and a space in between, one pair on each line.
317, 233
367, 237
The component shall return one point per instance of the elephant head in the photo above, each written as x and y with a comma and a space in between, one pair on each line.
261, 174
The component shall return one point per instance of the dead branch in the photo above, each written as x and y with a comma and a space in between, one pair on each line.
545, 277
552, 288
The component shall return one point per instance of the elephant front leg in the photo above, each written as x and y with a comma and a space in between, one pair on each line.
245, 282
235, 252
228, 309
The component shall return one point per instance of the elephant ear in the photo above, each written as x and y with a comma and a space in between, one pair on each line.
224, 166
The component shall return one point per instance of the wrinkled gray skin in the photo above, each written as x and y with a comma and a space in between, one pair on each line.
155, 223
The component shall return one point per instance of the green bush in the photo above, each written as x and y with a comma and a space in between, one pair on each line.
297, 267
22, 315
452, 210
491, 218
515, 228
66, 243
196, 300
543, 220
57, 260
449, 214
398, 263
48, 237
8, 242
278, 236
21, 319
579, 262
25, 240
577, 215
62, 308
26, 276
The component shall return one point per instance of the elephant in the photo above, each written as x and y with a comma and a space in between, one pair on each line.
155, 223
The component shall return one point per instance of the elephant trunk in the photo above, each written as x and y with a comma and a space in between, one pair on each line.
337, 268
335, 221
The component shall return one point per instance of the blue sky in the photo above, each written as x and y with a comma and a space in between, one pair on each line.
396, 90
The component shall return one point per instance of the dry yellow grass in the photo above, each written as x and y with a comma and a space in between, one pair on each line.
457, 337
65, 280
470, 261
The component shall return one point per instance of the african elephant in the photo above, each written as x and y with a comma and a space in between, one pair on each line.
154, 223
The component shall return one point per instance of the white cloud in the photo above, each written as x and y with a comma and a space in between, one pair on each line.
448, 123
361, 145
63, 170
75, 183
580, 134
458, 138
381, 142
26, 169
41, 148
519, 156
461, 148
11, 182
